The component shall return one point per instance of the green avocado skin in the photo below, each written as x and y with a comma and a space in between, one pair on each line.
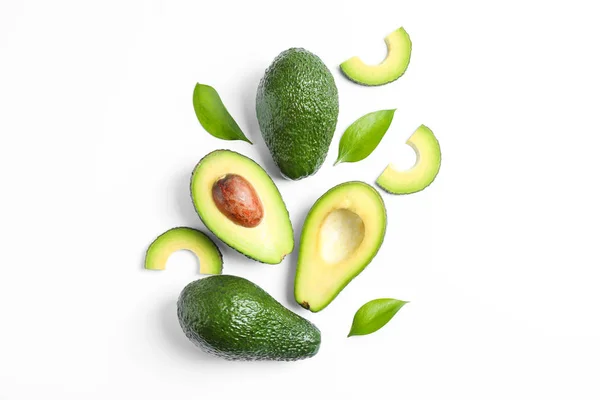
233, 318
297, 109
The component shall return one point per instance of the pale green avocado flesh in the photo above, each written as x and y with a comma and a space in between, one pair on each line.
423, 173
399, 47
269, 241
342, 233
181, 238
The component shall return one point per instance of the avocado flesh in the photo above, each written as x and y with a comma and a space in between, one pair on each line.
272, 239
233, 318
399, 47
342, 233
181, 238
423, 173
297, 110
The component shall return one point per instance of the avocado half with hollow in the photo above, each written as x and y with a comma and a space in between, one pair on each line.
399, 47
423, 173
181, 238
240, 204
342, 233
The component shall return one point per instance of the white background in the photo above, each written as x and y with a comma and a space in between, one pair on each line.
499, 257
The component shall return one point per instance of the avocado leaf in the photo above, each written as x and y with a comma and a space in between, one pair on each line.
363, 136
213, 115
373, 315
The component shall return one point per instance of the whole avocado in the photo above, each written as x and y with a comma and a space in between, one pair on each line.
233, 318
297, 109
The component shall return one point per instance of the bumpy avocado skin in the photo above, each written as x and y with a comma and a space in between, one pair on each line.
297, 109
233, 318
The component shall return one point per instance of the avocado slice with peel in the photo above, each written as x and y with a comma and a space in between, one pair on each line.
399, 47
182, 238
342, 233
233, 318
238, 202
423, 173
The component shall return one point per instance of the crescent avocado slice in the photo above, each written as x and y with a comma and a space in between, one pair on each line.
238, 202
211, 260
399, 48
342, 233
423, 173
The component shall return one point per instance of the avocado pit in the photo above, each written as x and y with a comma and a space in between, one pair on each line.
237, 199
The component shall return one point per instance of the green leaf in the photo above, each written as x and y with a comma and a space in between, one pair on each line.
363, 136
373, 315
213, 115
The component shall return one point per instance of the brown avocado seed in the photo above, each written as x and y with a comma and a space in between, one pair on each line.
235, 197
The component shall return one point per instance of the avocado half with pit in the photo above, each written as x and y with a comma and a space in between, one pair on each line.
423, 173
342, 233
240, 204
399, 47
182, 238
